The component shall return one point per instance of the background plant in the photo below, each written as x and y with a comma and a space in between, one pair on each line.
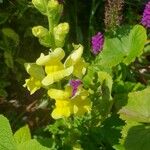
122, 80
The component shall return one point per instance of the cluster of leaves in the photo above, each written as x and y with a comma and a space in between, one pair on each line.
15, 34
20, 140
118, 83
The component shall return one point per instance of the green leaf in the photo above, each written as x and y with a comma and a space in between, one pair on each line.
105, 77
137, 40
106, 86
7, 141
111, 128
123, 49
88, 79
138, 138
121, 90
124, 132
125, 129
10, 33
112, 53
9, 59
3, 17
119, 147
138, 106
92, 72
22, 135
31, 145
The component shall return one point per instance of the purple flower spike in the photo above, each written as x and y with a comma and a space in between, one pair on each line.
146, 16
97, 43
75, 84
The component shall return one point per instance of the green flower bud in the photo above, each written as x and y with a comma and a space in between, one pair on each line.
60, 33
41, 5
39, 31
53, 5
54, 12
45, 38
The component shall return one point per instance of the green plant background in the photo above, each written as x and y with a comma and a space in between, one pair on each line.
86, 17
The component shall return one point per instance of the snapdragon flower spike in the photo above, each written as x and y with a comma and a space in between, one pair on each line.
75, 84
97, 43
146, 16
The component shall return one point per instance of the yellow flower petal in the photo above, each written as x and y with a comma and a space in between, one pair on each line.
32, 85
80, 106
75, 56
63, 109
80, 68
53, 68
56, 76
76, 60
53, 57
65, 105
60, 94
35, 71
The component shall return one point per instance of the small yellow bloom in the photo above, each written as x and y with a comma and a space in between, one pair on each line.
36, 76
66, 105
56, 75
54, 69
75, 59
35, 70
60, 32
32, 84
56, 56
80, 68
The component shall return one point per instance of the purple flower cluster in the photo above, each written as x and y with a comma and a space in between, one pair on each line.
97, 43
75, 84
146, 16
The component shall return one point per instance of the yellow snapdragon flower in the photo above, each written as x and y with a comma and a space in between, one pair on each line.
66, 105
53, 57
75, 59
54, 68
32, 84
37, 75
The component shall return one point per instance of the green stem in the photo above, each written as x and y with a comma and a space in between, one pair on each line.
50, 24
76, 19
51, 27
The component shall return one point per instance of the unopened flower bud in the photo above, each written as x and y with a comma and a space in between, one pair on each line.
60, 33
40, 5
39, 31
53, 5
